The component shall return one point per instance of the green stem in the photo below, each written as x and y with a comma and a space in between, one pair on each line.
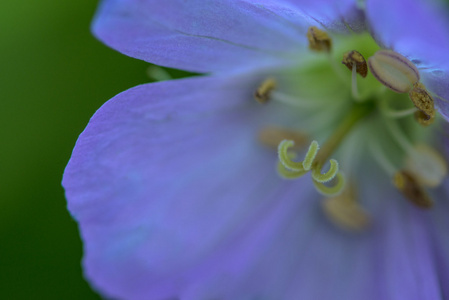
358, 112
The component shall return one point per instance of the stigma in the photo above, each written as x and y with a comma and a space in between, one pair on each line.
289, 169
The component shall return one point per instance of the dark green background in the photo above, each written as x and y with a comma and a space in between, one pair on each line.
53, 76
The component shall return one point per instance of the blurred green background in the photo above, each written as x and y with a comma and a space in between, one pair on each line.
54, 75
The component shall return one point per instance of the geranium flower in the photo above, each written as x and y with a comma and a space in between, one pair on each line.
184, 189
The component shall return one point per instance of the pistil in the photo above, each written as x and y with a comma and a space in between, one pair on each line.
316, 158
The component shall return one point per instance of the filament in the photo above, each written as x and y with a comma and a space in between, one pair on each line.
379, 156
354, 89
396, 114
293, 101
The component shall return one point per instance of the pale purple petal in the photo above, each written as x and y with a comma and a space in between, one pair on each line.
437, 81
417, 29
340, 16
175, 197
440, 238
163, 174
391, 260
202, 35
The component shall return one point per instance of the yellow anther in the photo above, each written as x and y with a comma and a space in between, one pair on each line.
393, 70
344, 211
329, 175
332, 190
423, 119
406, 183
352, 58
319, 40
424, 102
287, 174
427, 165
262, 94
284, 157
310, 156
271, 136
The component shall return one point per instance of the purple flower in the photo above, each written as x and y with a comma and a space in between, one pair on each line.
174, 183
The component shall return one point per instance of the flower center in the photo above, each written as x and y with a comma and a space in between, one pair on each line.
378, 111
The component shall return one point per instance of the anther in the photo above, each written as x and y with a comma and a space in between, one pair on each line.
273, 136
427, 165
423, 119
319, 40
424, 102
262, 94
393, 70
352, 58
344, 211
405, 182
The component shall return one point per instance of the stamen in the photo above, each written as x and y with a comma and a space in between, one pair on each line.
410, 188
263, 92
284, 158
319, 40
428, 166
424, 162
354, 89
329, 175
354, 58
295, 101
399, 136
396, 114
393, 70
344, 211
380, 157
273, 136
423, 119
332, 190
424, 102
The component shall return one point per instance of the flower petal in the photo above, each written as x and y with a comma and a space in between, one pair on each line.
341, 16
440, 236
163, 174
393, 259
436, 81
418, 30
202, 35
414, 28
175, 198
